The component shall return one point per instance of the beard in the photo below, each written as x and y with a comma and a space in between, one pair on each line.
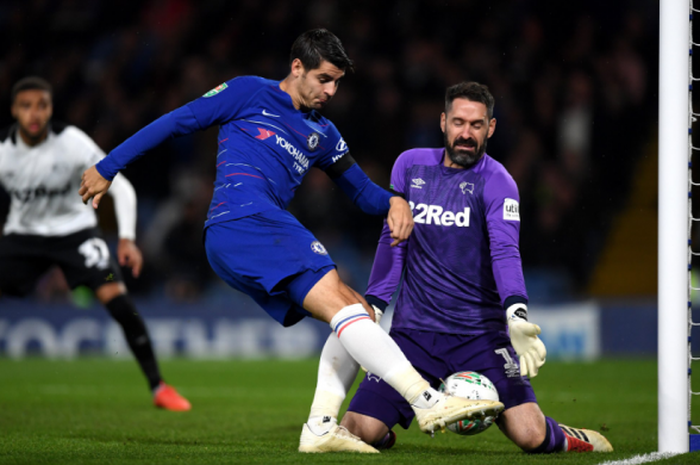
34, 138
462, 157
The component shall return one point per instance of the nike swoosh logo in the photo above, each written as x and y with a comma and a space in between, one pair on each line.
265, 113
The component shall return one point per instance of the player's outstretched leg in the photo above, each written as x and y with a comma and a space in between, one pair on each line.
374, 349
585, 440
335, 439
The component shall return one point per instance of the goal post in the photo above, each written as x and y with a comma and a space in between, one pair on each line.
674, 226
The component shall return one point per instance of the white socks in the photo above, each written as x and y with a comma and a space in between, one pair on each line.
356, 340
336, 373
370, 346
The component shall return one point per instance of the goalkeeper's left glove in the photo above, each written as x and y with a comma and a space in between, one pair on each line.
523, 336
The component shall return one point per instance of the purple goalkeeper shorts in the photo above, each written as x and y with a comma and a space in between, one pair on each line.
436, 356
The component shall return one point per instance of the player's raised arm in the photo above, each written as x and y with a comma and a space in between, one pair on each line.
214, 107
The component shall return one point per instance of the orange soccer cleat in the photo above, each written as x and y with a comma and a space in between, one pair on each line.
165, 396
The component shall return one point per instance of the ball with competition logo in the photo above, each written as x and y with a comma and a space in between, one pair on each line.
470, 385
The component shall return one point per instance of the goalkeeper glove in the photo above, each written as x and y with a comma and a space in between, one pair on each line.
378, 314
523, 336
378, 305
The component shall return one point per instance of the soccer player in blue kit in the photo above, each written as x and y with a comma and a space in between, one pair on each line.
270, 135
462, 304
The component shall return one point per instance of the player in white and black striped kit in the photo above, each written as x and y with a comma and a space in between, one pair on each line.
41, 163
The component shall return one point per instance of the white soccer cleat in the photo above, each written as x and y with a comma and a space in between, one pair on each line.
585, 440
451, 409
337, 439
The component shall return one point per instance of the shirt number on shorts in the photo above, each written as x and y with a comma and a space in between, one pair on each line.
511, 368
95, 252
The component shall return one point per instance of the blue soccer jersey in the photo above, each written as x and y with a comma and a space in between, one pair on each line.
462, 260
265, 146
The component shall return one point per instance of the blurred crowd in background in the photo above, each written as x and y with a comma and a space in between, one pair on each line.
575, 88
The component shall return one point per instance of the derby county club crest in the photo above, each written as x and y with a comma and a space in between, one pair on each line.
312, 140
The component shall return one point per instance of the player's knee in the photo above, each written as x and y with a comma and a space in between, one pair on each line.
109, 291
525, 425
369, 429
528, 436
529, 444
328, 296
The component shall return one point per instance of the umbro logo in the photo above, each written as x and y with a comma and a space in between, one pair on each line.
427, 396
417, 183
266, 113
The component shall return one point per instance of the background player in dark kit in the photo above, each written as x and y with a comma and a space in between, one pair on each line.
40, 166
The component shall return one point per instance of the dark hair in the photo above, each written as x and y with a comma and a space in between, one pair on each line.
30, 83
472, 91
320, 44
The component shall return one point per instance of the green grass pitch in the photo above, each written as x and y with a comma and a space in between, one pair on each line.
95, 410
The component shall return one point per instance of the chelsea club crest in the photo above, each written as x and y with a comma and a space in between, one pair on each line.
318, 248
312, 140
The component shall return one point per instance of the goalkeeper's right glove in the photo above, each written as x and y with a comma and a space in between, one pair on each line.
523, 336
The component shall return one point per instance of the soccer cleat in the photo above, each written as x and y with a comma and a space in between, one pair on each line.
585, 440
450, 409
336, 439
165, 396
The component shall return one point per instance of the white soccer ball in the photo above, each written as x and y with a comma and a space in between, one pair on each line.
475, 386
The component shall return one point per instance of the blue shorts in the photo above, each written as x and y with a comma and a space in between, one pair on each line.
437, 356
272, 258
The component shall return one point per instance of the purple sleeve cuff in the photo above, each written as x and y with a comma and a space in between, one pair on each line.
376, 302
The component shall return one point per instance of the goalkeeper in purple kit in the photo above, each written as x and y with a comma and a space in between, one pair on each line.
270, 134
462, 304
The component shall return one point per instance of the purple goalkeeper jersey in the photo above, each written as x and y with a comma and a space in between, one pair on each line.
462, 260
